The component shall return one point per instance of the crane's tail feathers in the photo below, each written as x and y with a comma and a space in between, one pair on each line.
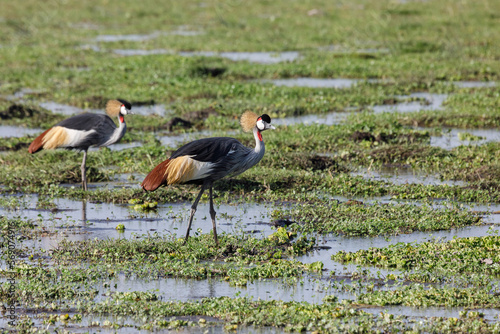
156, 177
37, 144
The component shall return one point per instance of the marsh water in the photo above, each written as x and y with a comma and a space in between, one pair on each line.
67, 219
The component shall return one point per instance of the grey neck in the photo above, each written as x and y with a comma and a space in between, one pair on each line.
259, 144
117, 134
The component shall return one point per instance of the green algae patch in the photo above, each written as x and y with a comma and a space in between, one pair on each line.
418, 295
236, 259
240, 313
355, 218
473, 255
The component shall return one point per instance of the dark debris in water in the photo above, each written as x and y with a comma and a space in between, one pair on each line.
178, 122
359, 136
18, 111
208, 71
150, 102
200, 114
15, 147
282, 222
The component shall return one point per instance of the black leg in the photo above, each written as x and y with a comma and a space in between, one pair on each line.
193, 210
212, 214
84, 171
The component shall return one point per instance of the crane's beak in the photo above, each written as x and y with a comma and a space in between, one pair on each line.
129, 112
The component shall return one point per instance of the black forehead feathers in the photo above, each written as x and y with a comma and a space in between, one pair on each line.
266, 118
125, 103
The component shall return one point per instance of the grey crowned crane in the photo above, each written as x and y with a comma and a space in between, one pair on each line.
210, 159
85, 130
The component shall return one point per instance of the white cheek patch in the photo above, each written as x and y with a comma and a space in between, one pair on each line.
123, 110
260, 125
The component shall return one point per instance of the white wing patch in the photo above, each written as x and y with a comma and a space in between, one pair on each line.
200, 169
75, 137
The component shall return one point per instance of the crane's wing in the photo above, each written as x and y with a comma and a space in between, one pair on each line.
87, 122
208, 149
209, 158
77, 132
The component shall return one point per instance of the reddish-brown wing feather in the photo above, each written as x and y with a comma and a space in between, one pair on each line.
156, 177
37, 144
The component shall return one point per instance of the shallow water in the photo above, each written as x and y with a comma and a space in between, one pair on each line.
474, 84
146, 110
145, 37
311, 290
123, 146
252, 57
432, 102
315, 82
138, 52
21, 94
17, 131
326, 119
214, 325
336, 244
154, 109
78, 220
131, 37
428, 312
451, 137
403, 175
64, 109
175, 140
340, 49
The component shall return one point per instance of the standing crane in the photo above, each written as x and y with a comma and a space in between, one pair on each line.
85, 130
210, 159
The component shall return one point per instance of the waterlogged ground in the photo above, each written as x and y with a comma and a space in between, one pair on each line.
375, 209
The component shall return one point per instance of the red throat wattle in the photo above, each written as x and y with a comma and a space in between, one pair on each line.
122, 120
259, 135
